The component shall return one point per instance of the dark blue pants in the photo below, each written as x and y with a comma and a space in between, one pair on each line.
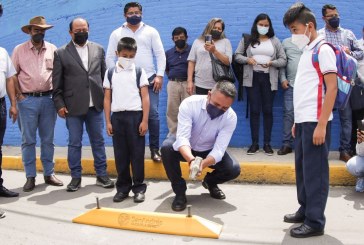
2, 132
312, 174
129, 148
227, 169
261, 98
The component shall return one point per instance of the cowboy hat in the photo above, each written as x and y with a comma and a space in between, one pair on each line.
38, 21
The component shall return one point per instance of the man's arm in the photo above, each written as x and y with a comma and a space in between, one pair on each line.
103, 65
355, 48
110, 52
10, 89
160, 56
57, 80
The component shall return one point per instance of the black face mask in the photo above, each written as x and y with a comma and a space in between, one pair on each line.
216, 34
38, 38
180, 43
81, 38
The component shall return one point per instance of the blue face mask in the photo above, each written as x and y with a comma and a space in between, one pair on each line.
134, 19
334, 22
263, 30
213, 111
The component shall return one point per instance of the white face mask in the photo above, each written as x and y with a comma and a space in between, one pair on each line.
301, 40
262, 30
125, 62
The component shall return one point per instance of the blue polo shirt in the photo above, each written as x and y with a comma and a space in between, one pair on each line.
177, 63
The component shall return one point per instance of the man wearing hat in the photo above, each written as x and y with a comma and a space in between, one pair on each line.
33, 61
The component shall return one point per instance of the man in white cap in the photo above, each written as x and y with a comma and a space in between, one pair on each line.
33, 61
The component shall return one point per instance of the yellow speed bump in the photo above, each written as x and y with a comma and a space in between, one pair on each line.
164, 223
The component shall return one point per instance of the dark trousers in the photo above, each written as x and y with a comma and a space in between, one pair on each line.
202, 91
261, 98
356, 115
312, 173
2, 133
129, 148
227, 169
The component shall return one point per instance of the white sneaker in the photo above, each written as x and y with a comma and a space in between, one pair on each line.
359, 187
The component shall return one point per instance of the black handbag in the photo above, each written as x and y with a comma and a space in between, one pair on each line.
220, 71
357, 96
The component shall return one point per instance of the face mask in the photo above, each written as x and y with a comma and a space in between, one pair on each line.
334, 22
213, 111
262, 30
81, 38
300, 40
37, 38
180, 43
216, 34
125, 62
134, 20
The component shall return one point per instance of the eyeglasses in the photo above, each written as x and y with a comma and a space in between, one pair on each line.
332, 16
134, 13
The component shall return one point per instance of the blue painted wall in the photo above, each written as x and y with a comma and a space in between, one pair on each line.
106, 15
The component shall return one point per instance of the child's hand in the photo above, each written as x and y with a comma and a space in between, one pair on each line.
143, 128
109, 129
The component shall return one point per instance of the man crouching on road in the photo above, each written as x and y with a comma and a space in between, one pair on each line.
205, 126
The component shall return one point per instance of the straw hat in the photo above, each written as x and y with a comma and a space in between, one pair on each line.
38, 21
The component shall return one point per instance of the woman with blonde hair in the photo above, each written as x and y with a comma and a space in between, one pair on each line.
199, 60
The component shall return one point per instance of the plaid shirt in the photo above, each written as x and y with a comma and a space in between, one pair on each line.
343, 37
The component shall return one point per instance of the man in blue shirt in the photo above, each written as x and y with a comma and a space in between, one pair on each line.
205, 127
176, 69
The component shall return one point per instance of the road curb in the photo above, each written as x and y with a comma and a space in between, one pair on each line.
252, 172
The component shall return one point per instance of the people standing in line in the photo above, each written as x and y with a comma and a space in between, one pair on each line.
79, 69
206, 124
264, 56
355, 165
7, 72
200, 77
127, 97
287, 77
33, 61
176, 69
335, 34
312, 129
149, 47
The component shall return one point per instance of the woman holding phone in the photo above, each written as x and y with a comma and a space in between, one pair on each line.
263, 57
214, 41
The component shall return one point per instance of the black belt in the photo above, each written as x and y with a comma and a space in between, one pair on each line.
2, 99
178, 79
39, 94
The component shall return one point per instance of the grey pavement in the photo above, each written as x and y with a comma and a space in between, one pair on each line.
251, 214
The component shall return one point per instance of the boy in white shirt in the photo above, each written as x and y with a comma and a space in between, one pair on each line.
126, 96
313, 113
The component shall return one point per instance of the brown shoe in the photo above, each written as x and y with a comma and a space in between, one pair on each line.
29, 185
344, 156
284, 150
156, 156
52, 180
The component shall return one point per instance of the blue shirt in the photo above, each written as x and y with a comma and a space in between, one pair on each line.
177, 64
196, 129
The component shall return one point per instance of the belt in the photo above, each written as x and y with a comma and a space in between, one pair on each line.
39, 94
2, 99
261, 72
178, 79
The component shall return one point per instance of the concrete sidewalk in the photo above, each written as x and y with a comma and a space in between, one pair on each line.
258, 168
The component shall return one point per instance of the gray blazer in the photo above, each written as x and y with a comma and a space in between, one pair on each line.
72, 82
279, 60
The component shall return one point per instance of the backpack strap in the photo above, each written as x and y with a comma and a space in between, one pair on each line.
316, 65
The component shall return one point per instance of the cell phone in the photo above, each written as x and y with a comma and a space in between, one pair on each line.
208, 39
360, 125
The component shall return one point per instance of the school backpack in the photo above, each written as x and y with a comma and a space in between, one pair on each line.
346, 74
138, 72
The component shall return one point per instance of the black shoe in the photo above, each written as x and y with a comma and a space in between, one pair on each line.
7, 193
52, 180
215, 191
284, 150
179, 203
74, 185
2, 214
304, 231
29, 185
155, 155
294, 218
268, 149
119, 197
104, 181
139, 197
345, 156
254, 148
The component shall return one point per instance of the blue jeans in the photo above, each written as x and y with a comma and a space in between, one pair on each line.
288, 117
94, 126
37, 113
345, 132
2, 133
153, 121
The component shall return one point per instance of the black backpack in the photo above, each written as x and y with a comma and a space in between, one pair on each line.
238, 69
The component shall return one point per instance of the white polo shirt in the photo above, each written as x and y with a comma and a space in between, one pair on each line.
305, 93
125, 92
6, 70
